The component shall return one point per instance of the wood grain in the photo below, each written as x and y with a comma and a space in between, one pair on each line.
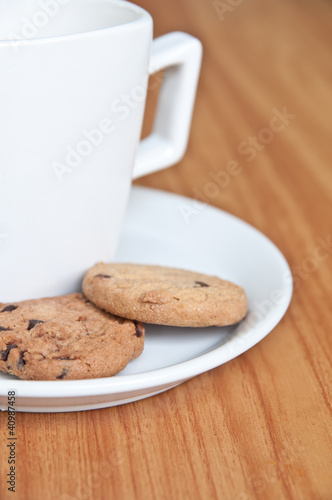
258, 427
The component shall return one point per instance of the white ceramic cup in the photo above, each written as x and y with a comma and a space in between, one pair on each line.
74, 76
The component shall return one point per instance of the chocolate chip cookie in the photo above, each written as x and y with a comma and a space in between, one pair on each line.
164, 296
63, 338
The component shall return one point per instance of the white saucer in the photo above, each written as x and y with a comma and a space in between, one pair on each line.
210, 241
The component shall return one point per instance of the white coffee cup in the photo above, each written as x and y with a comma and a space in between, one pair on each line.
74, 76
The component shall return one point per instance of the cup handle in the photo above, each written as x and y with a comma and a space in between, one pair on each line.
180, 55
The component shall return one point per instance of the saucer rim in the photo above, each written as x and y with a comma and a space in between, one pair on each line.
171, 375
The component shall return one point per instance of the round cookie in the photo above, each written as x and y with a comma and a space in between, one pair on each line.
63, 338
164, 296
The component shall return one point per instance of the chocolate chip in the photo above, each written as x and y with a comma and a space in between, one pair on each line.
34, 322
63, 374
3, 329
21, 362
9, 308
102, 276
139, 329
201, 284
5, 354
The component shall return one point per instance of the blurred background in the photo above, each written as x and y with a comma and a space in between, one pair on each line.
259, 56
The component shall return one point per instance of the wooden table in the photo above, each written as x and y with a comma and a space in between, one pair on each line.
258, 427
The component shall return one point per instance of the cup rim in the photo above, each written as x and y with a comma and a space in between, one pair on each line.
141, 17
